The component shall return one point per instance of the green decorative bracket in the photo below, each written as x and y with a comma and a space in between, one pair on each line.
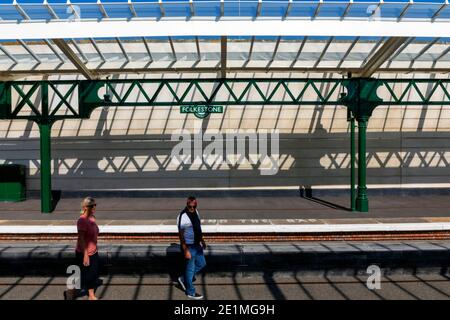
361, 97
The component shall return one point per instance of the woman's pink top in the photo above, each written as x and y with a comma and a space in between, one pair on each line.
90, 229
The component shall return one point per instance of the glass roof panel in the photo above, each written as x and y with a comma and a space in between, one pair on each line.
147, 10
85, 11
303, 9
244, 8
118, 10
420, 10
274, 9
35, 12
363, 10
207, 8
176, 9
342, 52
392, 10
332, 10
9, 12
444, 14
89, 9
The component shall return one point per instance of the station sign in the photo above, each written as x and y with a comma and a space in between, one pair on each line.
201, 111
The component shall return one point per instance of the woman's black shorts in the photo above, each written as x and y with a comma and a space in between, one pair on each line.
89, 274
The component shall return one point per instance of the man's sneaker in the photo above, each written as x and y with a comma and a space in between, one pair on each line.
195, 296
181, 282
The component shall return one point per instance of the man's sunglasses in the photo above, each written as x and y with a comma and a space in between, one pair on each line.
192, 207
91, 206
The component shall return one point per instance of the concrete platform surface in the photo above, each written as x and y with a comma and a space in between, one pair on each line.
239, 207
236, 287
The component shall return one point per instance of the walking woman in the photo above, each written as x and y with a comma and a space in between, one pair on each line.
86, 250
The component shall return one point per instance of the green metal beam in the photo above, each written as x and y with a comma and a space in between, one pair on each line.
362, 94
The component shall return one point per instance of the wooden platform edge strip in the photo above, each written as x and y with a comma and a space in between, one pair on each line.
239, 237
247, 229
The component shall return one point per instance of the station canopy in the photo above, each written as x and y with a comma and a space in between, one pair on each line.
101, 38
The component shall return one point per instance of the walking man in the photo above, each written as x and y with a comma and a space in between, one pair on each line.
192, 246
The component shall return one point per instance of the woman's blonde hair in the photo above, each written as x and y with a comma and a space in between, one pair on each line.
88, 201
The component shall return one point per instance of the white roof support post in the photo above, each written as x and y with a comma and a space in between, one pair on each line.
374, 49
316, 12
347, 10
381, 56
350, 48
94, 44
21, 11
275, 50
405, 10
85, 59
222, 8
439, 11
68, 52
50, 10
191, 8
161, 8
8, 54
250, 51
132, 10
28, 49
400, 50
299, 52
223, 56
444, 53
323, 52
54, 50
172, 47
148, 49
124, 52
288, 10
258, 8
102, 9
425, 49
380, 4
197, 45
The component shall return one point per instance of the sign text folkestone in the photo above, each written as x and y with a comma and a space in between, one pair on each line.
201, 112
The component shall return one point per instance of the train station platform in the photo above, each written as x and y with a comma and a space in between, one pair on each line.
271, 216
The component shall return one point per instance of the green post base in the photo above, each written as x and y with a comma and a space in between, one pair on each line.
362, 205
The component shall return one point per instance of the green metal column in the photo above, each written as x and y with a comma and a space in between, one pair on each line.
46, 178
362, 202
351, 118
46, 155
